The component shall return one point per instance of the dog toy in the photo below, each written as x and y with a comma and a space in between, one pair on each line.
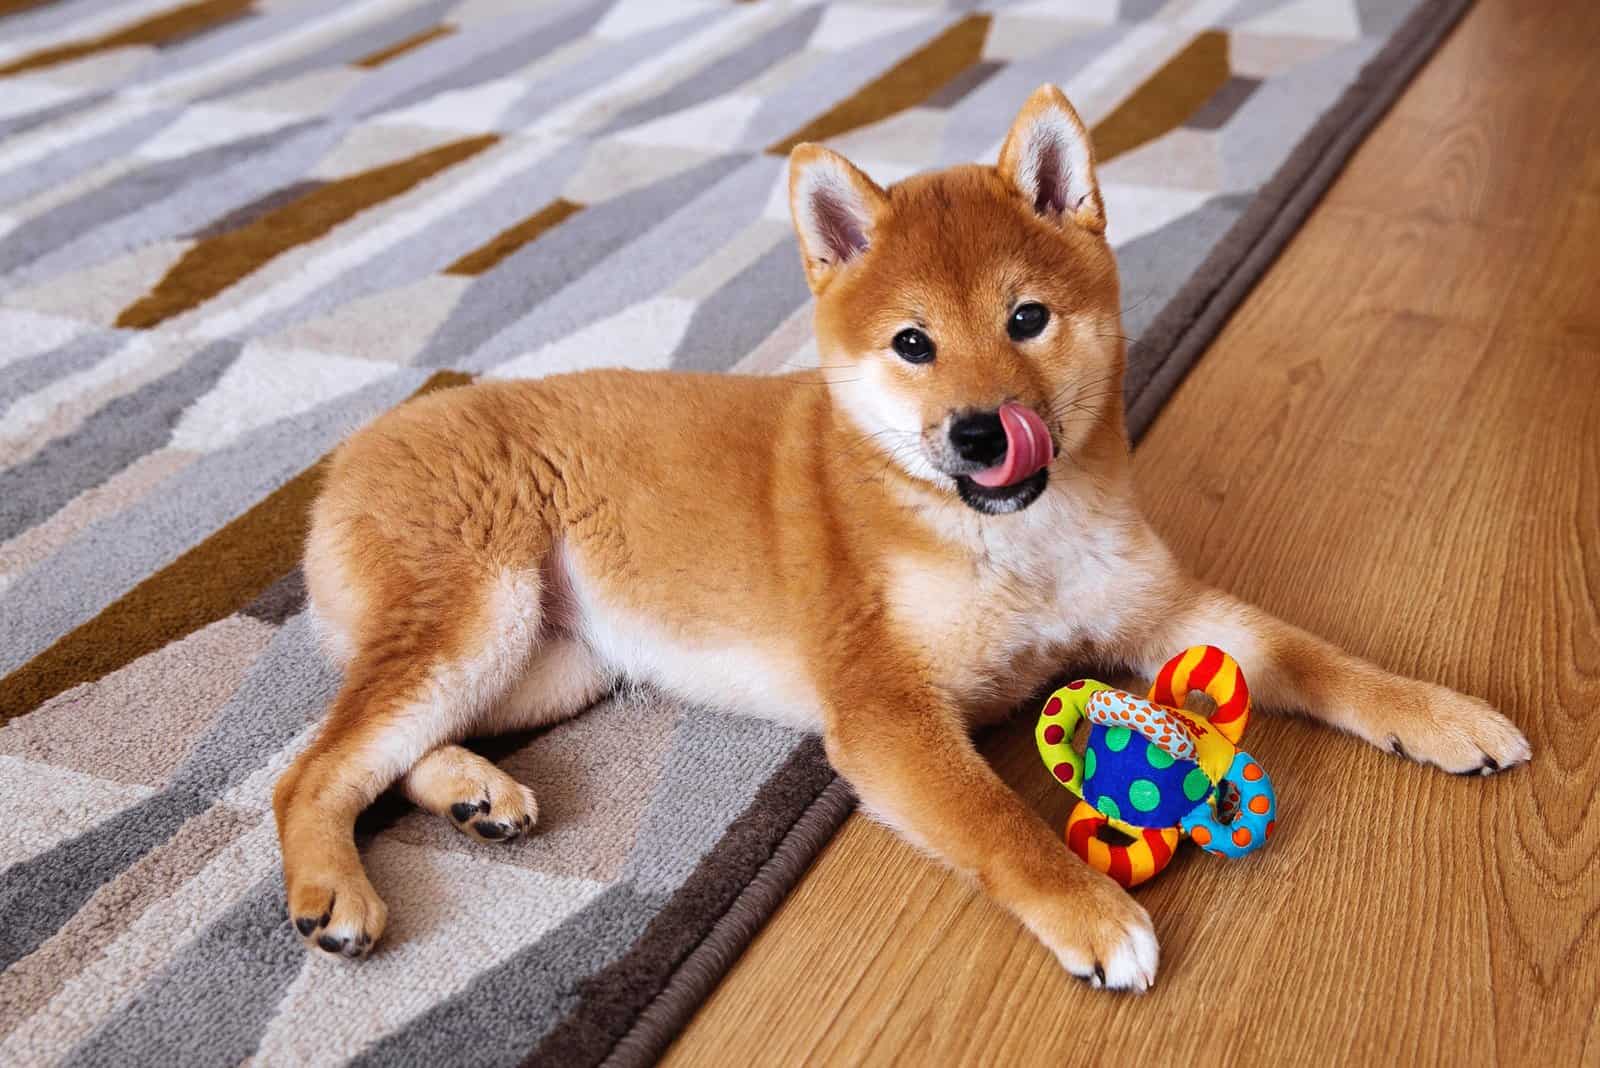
1156, 772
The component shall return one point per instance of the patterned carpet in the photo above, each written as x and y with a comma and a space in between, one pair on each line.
232, 230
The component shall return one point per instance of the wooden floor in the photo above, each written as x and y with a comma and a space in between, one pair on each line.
1395, 443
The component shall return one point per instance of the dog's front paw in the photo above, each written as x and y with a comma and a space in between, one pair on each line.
1102, 936
337, 912
1458, 733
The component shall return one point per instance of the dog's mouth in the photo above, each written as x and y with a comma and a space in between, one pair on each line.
1022, 473
999, 500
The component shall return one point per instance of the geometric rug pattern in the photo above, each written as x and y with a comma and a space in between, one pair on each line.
233, 230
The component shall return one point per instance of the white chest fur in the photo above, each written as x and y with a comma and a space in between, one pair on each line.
996, 616
1035, 589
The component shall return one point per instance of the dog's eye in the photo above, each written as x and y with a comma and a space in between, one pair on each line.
913, 346
1027, 321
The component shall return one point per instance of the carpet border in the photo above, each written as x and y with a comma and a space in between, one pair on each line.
1188, 323
694, 980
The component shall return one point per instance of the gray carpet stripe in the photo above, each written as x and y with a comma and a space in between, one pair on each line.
500, 300
209, 1006
440, 243
41, 893
80, 157
725, 74
358, 42
599, 66
834, 76
114, 555
277, 699
160, 201
36, 372
473, 57
731, 322
488, 1024
22, 122
642, 268
115, 436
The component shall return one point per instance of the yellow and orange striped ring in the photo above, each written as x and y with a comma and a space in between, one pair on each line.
1129, 865
1214, 673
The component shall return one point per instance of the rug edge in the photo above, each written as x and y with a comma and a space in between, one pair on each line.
732, 932
1194, 317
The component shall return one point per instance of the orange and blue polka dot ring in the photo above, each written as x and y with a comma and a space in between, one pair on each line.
1154, 771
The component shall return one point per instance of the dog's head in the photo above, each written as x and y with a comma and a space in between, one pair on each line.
968, 319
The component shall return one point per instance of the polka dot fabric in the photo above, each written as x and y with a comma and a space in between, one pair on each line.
1113, 708
1155, 771
1123, 781
1255, 814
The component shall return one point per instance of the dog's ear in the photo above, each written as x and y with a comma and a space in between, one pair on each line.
1048, 157
835, 208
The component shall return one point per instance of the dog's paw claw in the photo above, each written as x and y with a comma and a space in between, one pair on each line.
1487, 766
1111, 946
1459, 734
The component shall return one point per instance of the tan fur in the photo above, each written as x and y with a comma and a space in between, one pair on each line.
499, 555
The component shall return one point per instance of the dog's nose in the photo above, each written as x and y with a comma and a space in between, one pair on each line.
979, 438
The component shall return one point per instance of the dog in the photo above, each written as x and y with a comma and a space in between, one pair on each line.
890, 549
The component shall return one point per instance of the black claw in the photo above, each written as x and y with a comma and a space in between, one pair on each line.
483, 806
305, 925
1489, 766
1100, 973
527, 821
326, 917
331, 944
462, 811
1397, 749
489, 829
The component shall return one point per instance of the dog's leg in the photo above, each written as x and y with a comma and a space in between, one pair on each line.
426, 676
565, 678
1290, 669
911, 761
480, 799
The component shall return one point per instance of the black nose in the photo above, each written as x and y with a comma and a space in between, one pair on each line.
979, 438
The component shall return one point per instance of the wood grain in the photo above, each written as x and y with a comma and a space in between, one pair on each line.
1396, 444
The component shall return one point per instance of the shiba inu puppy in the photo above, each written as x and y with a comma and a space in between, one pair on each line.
890, 550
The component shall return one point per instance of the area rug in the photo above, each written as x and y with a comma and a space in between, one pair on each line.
232, 230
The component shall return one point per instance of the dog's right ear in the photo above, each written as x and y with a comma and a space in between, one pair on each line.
835, 208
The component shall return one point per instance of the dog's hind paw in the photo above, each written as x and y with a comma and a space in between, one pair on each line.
472, 793
496, 815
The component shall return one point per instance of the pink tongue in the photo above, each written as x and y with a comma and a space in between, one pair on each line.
1027, 447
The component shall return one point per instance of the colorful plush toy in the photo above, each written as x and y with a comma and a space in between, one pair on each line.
1156, 772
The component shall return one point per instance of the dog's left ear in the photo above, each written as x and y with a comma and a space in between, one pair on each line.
1049, 158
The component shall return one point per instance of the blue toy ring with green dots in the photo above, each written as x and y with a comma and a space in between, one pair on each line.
1152, 770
